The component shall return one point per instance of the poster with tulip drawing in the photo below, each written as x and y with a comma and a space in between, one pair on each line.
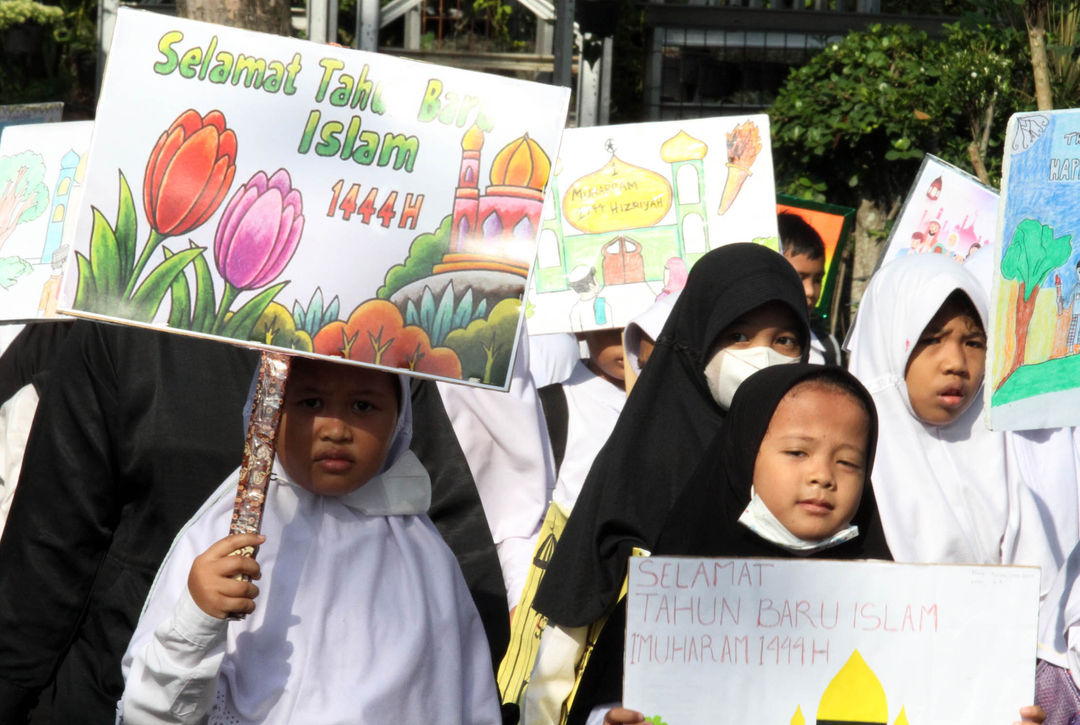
633, 207
41, 185
1033, 363
313, 199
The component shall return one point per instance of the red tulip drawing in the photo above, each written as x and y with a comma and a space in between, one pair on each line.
187, 176
257, 235
189, 172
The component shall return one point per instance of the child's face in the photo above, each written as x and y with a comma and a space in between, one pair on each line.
811, 272
946, 366
337, 423
770, 325
606, 354
810, 467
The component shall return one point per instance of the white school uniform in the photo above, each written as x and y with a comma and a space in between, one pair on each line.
953, 493
505, 443
363, 616
593, 406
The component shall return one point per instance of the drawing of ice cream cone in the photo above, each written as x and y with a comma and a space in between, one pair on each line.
743, 146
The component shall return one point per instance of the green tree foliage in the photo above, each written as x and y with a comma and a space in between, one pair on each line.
485, 345
854, 122
425, 252
1033, 252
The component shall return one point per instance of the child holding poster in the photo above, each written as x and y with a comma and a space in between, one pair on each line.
780, 480
742, 309
363, 601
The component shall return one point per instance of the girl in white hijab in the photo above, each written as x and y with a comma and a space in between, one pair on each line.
363, 616
948, 488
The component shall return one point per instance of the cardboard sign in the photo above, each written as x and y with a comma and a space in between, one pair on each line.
1034, 357
833, 224
633, 207
41, 186
947, 211
313, 199
789, 641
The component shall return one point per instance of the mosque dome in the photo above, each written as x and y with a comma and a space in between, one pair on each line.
855, 695
473, 140
521, 163
683, 147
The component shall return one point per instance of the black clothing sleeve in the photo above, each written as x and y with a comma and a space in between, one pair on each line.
134, 431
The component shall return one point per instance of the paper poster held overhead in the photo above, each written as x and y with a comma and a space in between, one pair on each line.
42, 168
313, 199
1034, 357
633, 207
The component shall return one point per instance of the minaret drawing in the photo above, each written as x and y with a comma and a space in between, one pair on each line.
69, 164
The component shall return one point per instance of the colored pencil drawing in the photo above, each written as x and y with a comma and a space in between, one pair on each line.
633, 208
947, 211
313, 208
1035, 330
41, 175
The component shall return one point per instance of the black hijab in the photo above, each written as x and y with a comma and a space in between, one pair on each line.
665, 426
704, 520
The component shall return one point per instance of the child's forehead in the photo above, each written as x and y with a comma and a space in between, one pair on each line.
306, 373
802, 260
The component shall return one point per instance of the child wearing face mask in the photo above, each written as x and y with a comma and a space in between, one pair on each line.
738, 298
751, 497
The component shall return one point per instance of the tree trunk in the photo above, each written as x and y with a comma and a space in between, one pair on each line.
1024, 311
268, 16
1035, 17
870, 220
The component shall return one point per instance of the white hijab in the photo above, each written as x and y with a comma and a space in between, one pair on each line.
362, 607
505, 442
650, 322
952, 493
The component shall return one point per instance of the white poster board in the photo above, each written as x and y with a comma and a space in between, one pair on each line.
41, 186
633, 207
313, 199
788, 641
947, 211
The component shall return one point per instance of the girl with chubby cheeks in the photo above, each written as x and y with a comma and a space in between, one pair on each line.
804, 437
359, 603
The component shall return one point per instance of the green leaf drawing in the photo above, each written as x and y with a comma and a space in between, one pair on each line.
126, 229
85, 293
203, 316
104, 257
655, 720
180, 312
240, 324
147, 298
1033, 252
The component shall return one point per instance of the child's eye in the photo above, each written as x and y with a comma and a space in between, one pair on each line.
795, 453
978, 344
931, 340
789, 342
310, 403
738, 337
853, 465
362, 406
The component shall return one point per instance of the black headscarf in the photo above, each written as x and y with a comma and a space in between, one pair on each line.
704, 521
668, 420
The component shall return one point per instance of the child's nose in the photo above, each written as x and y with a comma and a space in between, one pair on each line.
333, 428
954, 359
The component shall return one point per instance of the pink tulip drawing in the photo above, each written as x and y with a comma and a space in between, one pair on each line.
257, 235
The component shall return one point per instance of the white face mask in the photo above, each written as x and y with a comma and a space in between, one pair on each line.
728, 368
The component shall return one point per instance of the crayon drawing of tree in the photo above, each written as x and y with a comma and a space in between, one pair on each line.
1033, 253
484, 346
23, 194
